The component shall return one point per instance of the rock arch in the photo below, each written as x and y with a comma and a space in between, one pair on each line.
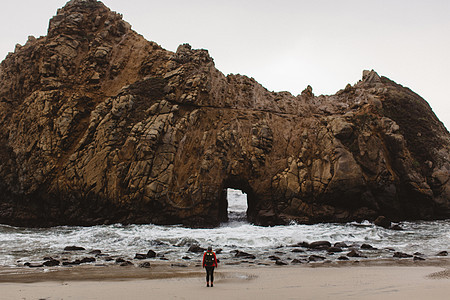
90, 136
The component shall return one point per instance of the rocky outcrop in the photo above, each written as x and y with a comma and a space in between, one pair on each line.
99, 125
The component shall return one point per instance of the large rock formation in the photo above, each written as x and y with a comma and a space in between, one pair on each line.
99, 125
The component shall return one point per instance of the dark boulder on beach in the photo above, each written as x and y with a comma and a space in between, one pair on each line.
296, 250
95, 252
382, 221
126, 264
340, 245
320, 245
196, 249
140, 256
51, 263
151, 254
273, 257
334, 250
71, 263
354, 253
100, 126
343, 258
442, 253
418, 258
315, 258
301, 244
86, 260
297, 261
280, 263
145, 265
73, 248
402, 255
367, 247
243, 254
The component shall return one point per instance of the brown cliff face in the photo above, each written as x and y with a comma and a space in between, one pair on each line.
99, 125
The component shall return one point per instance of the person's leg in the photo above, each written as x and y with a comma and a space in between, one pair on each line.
212, 276
208, 275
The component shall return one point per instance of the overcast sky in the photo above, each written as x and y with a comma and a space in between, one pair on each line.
286, 45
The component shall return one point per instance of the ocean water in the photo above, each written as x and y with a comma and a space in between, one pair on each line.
20, 245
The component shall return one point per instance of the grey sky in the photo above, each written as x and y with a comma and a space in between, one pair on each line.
286, 45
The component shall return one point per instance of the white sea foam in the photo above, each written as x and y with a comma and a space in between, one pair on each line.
32, 244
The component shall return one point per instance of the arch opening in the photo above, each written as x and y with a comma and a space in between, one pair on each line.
237, 205
237, 202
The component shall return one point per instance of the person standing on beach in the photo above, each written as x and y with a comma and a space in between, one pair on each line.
209, 262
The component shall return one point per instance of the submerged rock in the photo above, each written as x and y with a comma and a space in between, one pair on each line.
89, 136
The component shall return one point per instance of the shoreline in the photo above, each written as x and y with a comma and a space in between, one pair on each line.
167, 270
344, 281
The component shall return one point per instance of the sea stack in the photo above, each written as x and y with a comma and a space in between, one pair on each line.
99, 126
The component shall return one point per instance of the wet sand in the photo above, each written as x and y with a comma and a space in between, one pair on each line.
373, 280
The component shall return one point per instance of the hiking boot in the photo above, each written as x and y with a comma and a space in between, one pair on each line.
212, 284
207, 284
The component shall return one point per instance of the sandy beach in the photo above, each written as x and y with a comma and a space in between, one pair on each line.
387, 280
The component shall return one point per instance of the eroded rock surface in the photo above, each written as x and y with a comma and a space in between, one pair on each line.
99, 125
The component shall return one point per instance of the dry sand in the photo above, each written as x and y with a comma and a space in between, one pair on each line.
376, 281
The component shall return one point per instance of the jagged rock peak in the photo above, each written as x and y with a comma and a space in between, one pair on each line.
371, 77
84, 16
